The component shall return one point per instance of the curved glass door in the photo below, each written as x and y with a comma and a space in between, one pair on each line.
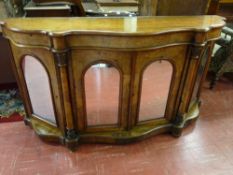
102, 86
156, 82
38, 87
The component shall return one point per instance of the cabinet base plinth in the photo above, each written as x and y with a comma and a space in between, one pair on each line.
139, 132
187, 118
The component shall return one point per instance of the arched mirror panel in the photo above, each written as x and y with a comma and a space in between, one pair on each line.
156, 82
102, 87
38, 87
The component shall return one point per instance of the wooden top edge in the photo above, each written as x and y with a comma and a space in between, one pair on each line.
113, 25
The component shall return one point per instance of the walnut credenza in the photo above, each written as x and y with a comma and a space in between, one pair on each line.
155, 67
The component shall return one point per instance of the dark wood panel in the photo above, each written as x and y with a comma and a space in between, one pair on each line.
173, 7
6, 72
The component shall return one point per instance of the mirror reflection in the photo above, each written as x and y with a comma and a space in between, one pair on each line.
155, 89
102, 86
38, 87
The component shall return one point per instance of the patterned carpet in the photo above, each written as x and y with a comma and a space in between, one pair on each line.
11, 107
10, 103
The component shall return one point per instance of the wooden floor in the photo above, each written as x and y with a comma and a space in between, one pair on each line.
204, 149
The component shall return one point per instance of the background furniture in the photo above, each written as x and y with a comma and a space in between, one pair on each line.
68, 102
222, 8
75, 4
225, 9
7, 78
118, 6
99, 7
53, 8
112, 8
87, 8
15, 7
173, 7
223, 58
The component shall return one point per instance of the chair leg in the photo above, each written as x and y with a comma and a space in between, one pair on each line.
213, 82
216, 78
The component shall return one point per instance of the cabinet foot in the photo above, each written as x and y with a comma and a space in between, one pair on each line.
71, 140
176, 132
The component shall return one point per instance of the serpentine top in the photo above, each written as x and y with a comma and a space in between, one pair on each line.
116, 26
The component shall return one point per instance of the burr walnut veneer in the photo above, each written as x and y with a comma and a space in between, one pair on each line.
110, 80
